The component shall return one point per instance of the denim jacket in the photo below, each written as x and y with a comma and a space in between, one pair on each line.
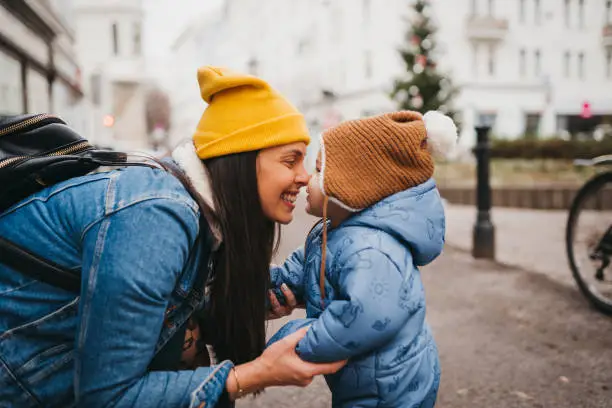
133, 235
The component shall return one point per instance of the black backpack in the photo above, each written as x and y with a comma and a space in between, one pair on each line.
37, 151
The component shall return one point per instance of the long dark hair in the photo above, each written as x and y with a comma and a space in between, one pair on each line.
242, 265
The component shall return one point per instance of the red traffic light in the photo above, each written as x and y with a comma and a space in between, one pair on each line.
586, 110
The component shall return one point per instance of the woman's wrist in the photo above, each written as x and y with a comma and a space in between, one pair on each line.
246, 379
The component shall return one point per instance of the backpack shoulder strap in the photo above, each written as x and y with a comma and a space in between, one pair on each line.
37, 267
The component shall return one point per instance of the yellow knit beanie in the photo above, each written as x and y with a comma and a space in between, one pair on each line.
244, 114
367, 160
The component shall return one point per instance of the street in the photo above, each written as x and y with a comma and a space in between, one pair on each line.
507, 338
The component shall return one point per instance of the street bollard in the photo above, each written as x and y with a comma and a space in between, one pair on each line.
483, 243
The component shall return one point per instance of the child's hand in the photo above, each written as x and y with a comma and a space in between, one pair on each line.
278, 310
290, 327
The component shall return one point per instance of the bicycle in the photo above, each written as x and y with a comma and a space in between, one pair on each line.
588, 236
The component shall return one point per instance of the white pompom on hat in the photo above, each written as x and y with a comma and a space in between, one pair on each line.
441, 134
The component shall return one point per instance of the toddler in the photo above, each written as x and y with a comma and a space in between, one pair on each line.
358, 273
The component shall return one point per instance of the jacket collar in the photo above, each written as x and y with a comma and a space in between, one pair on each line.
186, 157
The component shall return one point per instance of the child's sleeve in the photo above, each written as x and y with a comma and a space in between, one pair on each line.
291, 273
380, 299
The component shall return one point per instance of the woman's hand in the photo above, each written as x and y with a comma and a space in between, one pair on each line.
284, 367
279, 310
279, 365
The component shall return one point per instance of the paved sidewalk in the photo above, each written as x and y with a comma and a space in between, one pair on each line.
529, 239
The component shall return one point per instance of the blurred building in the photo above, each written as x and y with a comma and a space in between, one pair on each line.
110, 47
39, 70
221, 37
538, 67
188, 53
530, 66
303, 48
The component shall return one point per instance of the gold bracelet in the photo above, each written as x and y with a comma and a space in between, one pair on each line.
240, 390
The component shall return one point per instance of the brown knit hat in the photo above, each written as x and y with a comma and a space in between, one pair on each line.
367, 160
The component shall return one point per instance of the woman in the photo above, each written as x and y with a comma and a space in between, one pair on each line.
152, 278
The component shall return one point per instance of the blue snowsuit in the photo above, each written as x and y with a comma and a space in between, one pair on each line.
374, 303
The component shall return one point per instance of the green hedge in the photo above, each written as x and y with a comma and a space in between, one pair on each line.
549, 149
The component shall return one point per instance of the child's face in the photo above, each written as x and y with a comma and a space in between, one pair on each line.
315, 198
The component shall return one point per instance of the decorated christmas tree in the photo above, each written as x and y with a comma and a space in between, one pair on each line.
422, 87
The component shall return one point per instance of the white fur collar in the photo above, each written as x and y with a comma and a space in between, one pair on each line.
186, 157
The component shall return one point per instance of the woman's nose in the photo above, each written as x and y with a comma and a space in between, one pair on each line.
302, 177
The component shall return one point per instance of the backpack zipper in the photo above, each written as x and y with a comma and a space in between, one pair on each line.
81, 146
26, 123
7, 162
29, 122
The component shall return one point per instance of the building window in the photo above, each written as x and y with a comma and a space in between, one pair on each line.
366, 11
537, 63
522, 11
566, 64
366, 113
580, 13
226, 9
609, 63
66, 104
96, 89
567, 13
253, 66
38, 92
532, 125
11, 92
581, 65
137, 39
474, 9
342, 74
115, 33
561, 124
302, 45
337, 27
523, 63
475, 59
491, 61
120, 93
537, 12
490, 8
368, 64
486, 119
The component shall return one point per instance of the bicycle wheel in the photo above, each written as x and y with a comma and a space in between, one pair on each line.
589, 241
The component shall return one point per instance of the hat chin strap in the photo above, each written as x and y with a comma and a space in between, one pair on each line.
323, 253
